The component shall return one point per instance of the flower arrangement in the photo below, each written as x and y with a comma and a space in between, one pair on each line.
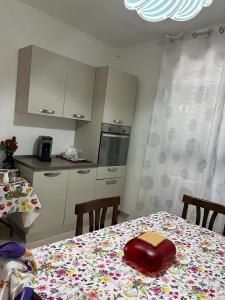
9, 145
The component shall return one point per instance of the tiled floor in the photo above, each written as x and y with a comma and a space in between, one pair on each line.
5, 234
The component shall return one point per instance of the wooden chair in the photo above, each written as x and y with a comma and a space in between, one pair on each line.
95, 221
208, 206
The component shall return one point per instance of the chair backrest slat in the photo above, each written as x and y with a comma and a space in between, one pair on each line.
97, 218
103, 216
97, 213
205, 217
212, 220
207, 206
91, 221
198, 215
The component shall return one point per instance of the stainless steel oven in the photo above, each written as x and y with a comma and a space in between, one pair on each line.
114, 143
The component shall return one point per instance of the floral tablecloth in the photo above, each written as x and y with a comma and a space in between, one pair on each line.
91, 267
19, 198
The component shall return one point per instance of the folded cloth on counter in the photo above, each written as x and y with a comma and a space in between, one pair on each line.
17, 270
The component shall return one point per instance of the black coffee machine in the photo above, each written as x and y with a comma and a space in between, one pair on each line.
44, 148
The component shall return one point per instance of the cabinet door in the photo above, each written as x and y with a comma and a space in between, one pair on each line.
79, 90
120, 98
51, 188
81, 188
47, 83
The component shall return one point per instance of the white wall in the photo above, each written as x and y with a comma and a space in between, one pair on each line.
20, 26
143, 61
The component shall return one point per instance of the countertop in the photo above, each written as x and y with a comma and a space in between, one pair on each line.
35, 164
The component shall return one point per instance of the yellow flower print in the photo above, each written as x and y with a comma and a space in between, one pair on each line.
71, 246
120, 254
165, 289
201, 268
28, 190
25, 206
70, 272
104, 279
202, 297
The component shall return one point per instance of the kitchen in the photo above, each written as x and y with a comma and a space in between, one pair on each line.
70, 89
98, 101
81, 47
101, 101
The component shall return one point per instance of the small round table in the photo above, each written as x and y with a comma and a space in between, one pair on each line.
18, 198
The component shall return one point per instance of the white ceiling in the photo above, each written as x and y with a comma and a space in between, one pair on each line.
111, 22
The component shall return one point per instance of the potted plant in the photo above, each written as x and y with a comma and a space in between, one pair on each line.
9, 146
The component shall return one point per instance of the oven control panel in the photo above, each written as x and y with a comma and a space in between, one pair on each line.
111, 128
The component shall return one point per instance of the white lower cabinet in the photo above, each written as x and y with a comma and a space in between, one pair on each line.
51, 188
59, 191
81, 188
108, 187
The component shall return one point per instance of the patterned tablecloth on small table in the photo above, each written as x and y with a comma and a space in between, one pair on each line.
90, 266
19, 198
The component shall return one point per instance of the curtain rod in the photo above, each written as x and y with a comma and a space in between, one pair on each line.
196, 34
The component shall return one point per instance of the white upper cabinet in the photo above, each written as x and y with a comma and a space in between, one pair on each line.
119, 98
51, 84
40, 82
79, 90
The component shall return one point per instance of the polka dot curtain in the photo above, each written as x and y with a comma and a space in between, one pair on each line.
185, 149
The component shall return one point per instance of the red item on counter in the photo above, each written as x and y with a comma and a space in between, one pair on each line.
150, 253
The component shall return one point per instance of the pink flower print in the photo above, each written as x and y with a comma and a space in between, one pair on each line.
60, 272
190, 281
194, 269
42, 287
92, 295
112, 255
156, 290
58, 256
105, 243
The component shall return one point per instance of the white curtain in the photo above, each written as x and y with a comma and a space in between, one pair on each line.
185, 150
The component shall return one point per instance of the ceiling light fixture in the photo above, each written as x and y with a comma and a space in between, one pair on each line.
159, 10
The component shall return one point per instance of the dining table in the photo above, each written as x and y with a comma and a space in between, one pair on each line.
19, 197
91, 266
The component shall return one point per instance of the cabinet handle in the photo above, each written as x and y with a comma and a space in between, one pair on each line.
78, 116
112, 169
117, 122
46, 111
109, 182
83, 171
52, 174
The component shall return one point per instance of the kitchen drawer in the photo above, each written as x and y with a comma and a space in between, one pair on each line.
111, 172
105, 188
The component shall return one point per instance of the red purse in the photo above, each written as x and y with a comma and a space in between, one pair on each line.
150, 253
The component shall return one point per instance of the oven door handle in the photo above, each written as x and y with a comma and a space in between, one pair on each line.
122, 136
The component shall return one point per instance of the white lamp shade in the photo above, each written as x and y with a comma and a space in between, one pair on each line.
159, 10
